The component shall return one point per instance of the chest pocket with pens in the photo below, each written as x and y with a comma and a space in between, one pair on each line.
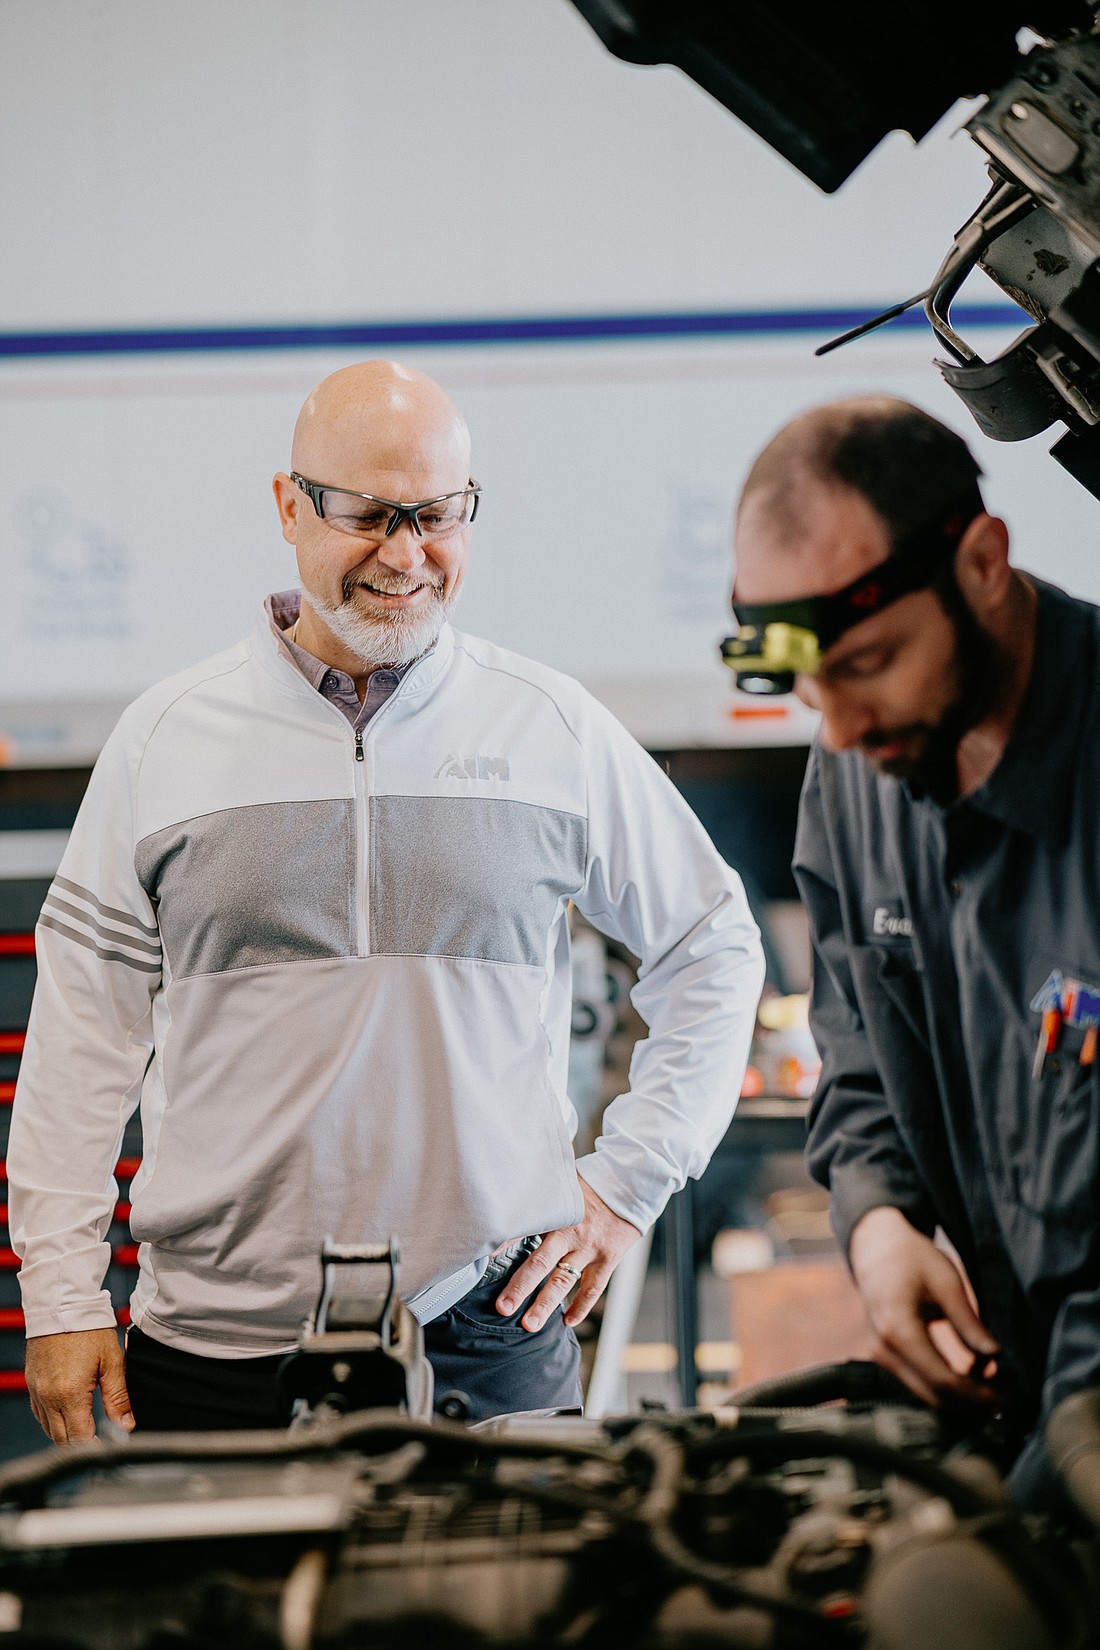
1054, 1130
1064, 1001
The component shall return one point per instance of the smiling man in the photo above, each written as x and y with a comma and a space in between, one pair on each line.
313, 918
949, 858
360, 613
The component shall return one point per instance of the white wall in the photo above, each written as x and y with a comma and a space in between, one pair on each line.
305, 161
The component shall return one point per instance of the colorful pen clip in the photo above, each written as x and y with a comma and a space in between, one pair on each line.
1049, 1032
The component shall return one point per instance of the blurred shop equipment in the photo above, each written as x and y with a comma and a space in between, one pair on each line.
598, 996
791, 1299
823, 85
784, 1060
794, 1313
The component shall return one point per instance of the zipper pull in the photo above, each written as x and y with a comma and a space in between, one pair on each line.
358, 744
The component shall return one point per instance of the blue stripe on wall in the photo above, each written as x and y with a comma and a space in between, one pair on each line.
759, 323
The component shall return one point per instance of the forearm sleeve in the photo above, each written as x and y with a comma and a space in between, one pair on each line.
853, 1146
655, 882
88, 1045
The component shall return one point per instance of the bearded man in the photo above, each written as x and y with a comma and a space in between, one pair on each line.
949, 858
313, 917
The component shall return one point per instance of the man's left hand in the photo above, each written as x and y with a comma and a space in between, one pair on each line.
590, 1250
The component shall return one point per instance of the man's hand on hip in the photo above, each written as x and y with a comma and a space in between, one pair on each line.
585, 1254
63, 1372
919, 1307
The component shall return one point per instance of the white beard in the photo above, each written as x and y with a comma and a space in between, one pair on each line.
392, 639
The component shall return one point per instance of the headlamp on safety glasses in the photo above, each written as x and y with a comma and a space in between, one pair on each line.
777, 641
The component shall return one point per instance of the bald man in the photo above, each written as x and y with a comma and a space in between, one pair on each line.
313, 919
949, 858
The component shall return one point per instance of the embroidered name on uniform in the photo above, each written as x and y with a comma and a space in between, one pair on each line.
473, 767
886, 925
1077, 1001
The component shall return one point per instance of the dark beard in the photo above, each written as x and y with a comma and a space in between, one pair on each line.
981, 671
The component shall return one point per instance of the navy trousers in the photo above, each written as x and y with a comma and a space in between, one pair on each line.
497, 1365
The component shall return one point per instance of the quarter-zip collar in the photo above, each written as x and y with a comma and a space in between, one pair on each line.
266, 647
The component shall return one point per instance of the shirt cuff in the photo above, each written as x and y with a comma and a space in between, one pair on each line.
68, 1320
853, 1195
596, 1171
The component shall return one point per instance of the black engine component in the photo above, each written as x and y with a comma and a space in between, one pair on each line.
362, 1348
768, 1524
741, 1527
823, 85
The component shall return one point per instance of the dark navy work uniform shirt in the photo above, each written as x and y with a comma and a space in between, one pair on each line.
940, 934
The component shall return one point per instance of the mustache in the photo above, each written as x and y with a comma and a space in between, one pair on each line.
393, 584
890, 736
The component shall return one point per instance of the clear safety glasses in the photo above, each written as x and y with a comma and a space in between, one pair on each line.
367, 517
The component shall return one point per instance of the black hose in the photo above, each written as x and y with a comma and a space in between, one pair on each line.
655, 1516
798, 1443
856, 1381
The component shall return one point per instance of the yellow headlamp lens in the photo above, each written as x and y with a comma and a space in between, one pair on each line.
773, 650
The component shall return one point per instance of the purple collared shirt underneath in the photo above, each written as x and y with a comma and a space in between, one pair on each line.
334, 685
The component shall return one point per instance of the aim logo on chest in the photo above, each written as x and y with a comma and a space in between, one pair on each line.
476, 766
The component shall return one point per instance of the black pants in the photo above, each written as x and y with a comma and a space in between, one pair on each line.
496, 1364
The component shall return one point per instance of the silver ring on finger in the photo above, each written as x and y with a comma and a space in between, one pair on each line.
570, 1271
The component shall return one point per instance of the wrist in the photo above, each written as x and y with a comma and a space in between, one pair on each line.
880, 1224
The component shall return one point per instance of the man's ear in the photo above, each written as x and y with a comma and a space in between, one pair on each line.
982, 568
287, 500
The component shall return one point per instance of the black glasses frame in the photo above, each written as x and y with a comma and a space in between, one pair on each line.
315, 491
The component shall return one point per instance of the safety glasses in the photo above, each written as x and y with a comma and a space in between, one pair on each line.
366, 517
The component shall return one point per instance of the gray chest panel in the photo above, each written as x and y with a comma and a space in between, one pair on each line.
478, 877
270, 883
470, 876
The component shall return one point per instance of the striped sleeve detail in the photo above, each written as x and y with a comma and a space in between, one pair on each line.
107, 938
104, 910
